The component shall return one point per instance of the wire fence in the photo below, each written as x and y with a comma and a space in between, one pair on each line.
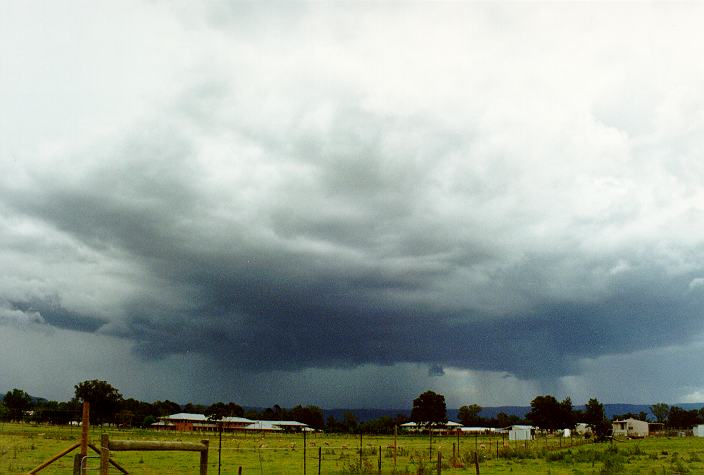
335, 454
294, 453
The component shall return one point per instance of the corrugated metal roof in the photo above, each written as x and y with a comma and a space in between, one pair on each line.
186, 416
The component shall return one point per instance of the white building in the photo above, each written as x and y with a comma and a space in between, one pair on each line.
519, 432
630, 428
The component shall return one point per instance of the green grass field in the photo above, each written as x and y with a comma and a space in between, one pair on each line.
24, 446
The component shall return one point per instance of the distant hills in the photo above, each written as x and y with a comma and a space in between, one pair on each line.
35, 399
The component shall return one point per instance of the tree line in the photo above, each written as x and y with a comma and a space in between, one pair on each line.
108, 406
547, 413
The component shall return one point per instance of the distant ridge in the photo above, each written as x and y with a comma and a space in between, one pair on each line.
35, 399
365, 414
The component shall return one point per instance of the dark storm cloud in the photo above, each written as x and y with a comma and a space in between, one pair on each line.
352, 261
54, 315
323, 292
327, 189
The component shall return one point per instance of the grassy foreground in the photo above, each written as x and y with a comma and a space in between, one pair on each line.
24, 446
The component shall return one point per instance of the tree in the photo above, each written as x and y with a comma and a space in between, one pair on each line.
310, 415
469, 415
504, 420
104, 400
544, 412
17, 402
54, 412
194, 408
678, 418
383, 424
350, 422
660, 411
595, 416
148, 421
567, 418
166, 408
549, 414
429, 408
220, 410
133, 412
273, 413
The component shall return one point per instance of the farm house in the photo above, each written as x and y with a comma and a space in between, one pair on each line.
698, 430
634, 428
187, 422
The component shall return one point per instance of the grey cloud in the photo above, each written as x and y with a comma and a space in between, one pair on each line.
436, 370
322, 291
291, 211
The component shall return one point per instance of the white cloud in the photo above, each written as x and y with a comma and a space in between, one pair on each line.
696, 283
18, 317
166, 163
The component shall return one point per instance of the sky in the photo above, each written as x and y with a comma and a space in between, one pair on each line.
348, 203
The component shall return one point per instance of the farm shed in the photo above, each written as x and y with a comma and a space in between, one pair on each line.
287, 426
520, 432
698, 430
583, 428
630, 428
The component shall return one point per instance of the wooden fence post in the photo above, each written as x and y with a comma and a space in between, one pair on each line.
76, 464
380, 460
104, 454
304, 452
204, 457
85, 425
360, 450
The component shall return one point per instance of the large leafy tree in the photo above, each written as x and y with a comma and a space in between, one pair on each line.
219, 410
104, 400
595, 416
660, 411
17, 402
311, 415
567, 418
678, 418
549, 414
429, 408
469, 415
